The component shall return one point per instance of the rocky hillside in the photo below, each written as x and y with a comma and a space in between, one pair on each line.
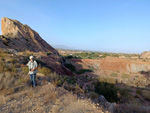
17, 95
17, 37
46, 99
21, 37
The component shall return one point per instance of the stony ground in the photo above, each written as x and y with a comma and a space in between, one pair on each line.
46, 99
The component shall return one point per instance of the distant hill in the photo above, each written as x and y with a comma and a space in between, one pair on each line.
62, 47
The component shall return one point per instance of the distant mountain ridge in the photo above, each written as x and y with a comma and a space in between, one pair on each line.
62, 47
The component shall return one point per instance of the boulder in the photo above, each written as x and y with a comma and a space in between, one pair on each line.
102, 99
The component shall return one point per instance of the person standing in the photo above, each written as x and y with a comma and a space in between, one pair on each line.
32, 64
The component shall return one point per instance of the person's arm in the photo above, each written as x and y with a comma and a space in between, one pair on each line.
34, 69
22, 65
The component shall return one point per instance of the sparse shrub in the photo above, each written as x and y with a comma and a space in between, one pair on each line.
13, 69
93, 95
3, 55
17, 65
69, 57
13, 60
5, 43
20, 81
83, 71
71, 67
59, 80
49, 53
25, 70
124, 75
138, 91
44, 70
104, 55
111, 92
115, 55
29, 54
8, 81
70, 80
114, 75
78, 90
86, 55
107, 80
2, 58
146, 94
1, 67
5, 68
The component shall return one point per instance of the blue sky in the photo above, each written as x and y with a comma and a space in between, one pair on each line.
100, 25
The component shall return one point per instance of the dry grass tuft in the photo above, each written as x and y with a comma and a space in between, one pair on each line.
124, 76
44, 70
146, 94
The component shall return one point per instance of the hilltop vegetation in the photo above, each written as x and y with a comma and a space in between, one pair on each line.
94, 55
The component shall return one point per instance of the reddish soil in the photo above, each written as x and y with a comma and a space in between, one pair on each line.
112, 64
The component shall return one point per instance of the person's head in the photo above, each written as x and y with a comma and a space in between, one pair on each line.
31, 58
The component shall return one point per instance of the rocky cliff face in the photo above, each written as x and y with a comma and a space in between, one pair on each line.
21, 37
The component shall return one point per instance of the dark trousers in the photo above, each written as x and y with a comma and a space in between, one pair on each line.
33, 79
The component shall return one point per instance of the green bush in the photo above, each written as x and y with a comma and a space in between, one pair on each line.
69, 57
49, 53
70, 67
83, 71
110, 91
86, 55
